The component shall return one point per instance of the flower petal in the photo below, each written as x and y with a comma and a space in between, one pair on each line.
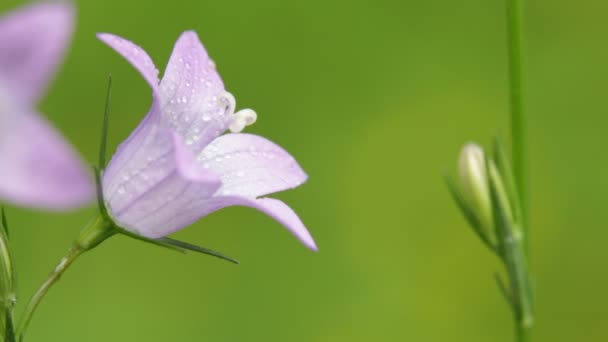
195, 103
194, 210
32, 42
148, 127
137, 56
37, 167
251, 166
161, 177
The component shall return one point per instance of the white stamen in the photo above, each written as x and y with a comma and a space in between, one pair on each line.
242, 119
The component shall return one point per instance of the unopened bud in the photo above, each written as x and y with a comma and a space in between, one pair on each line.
474, 184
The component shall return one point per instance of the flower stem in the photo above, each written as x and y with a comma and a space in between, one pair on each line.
518, 139
52, 278
517, 246
97, 231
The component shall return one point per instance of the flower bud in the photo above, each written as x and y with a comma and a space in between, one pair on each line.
474, 185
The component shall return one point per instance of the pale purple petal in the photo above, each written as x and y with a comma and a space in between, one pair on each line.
135, 55
37, 167
194, 210
32, 42
251, 166
160, 178
195, 103
147, 128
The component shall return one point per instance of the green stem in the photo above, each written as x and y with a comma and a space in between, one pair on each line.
53, 277
518, 139
522, 333
517, 267
97, 231
514, 256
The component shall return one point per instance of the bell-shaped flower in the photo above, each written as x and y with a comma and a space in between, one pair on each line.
178, 166
38, 168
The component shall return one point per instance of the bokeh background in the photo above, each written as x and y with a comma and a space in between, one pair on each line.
375, 99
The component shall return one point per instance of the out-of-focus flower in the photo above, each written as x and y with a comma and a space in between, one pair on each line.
38, 168
177, 167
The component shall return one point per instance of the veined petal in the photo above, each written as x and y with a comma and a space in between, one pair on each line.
137, 56
148, 127
32, 42
37, 167
196, 209
251, 166
160, 178
195, 103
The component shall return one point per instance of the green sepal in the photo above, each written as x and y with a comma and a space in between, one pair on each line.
104, 127
198, 249
155, 242
101, 205
468, 213
175, 245
506, 170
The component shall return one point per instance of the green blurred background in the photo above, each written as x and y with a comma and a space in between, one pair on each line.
375, 99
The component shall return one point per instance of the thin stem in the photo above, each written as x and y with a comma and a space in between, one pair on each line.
515, 260
52, 278
522, 332
518, 133
97, 231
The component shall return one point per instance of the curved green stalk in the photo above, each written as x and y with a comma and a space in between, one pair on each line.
97, 231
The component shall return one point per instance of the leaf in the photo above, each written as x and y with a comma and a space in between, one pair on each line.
156, 242
9, 335
198, 249
7, 281
468, 212
504, 290
3, 222
104, 127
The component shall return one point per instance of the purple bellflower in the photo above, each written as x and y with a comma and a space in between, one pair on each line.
178, 166
38, 168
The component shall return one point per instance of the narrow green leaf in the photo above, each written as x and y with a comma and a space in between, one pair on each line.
198, 249
9, 326
155, 242
467, 212
104, 127
504, 290
7, 281
3, 222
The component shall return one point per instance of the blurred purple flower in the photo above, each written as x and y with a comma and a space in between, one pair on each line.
176, 167
38, 167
